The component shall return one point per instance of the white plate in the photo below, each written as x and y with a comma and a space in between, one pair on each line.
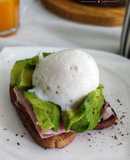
110, 144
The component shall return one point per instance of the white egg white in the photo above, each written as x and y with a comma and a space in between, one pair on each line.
66, 77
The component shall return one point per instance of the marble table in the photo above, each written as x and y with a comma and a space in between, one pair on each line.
39, 27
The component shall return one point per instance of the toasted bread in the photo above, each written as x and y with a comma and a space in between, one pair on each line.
56, 141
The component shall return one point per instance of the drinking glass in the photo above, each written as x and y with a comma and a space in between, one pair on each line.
9, 16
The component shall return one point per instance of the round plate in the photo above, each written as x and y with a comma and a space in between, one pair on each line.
108, 144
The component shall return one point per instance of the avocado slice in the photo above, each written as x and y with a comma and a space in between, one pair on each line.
16, 71
25, 80
21, 73
47, 114
86, 116
45, 54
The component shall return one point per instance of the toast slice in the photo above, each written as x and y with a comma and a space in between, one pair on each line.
56, 141
59, 140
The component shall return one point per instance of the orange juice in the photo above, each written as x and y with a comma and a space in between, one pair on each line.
9, 16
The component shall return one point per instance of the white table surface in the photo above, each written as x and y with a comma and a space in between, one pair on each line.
39, 27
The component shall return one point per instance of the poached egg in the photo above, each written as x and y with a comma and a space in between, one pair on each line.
65, 77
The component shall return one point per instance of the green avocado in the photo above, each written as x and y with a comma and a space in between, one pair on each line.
87, 116
47, 113
45, 54
25, 80
21, 73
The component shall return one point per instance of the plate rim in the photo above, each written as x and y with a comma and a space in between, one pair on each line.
92, 51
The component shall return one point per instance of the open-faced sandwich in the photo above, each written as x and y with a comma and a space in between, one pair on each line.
58, 95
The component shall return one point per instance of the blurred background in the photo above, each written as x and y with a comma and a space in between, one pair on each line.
40, 27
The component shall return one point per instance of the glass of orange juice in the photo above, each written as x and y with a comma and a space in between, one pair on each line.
9, 16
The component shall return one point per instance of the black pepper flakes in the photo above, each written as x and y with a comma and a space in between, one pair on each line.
115, 123
57, 92
18, 144
121, 122
120, 143
120, 132
7, 139
118, 100
16, 134
89, 134
115, 137
123, 116
22, 136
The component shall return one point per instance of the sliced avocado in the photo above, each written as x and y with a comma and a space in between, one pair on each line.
86, 116
75, 120
45, 54
47, 113
16, 71
21, 73
25, 80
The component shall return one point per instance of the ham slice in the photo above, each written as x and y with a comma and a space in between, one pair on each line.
108, 117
